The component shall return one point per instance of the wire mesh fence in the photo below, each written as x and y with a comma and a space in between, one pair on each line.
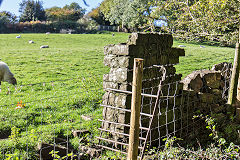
174, 116
167, 108
66, 119
50, 120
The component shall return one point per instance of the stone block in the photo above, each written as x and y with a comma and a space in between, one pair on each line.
176, 52
110, 85
90, 152
163, 60
193, 82
174, 102
106, 77
207, 98
173, 60
116, 49
44, 150
137, 51
216, 91
114, 61
168, 40
110, 60
125, 87
211, 78
156, 73
119, 75
109, 116
216, 108
122, 101
172, 89
105, 98
125, 62
159, 60
125, 50
172, 78
111, 98
121, 119
222, 66
153, 49
138, 38
163, 40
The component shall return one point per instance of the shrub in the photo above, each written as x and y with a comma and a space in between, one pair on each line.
218, 149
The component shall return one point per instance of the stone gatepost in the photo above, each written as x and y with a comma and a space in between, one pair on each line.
155, 49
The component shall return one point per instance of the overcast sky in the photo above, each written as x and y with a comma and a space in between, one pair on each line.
13, 5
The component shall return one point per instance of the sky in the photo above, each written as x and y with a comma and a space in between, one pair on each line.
13, 5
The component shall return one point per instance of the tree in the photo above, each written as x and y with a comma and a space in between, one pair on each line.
105, 7
8, 16
71, 12
135, 14
98, 16
31, 11
6, 19
214, 20
83, 2
73, 6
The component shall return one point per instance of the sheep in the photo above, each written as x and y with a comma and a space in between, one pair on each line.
181, 46
6, 75
44, 46
30, 41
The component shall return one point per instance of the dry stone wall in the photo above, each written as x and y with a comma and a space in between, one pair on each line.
155, 49
208, 89
200, 92
205, 92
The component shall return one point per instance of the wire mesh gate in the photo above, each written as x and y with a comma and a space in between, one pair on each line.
154, 95
166, 110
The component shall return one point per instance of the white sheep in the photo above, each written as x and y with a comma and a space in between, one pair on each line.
6, 75
181, 46
44, 46
30, 41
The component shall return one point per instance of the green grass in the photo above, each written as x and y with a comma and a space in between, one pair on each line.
197, 58
75, 65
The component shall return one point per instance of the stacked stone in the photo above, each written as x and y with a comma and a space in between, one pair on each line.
209, 86
155, 49
205, 92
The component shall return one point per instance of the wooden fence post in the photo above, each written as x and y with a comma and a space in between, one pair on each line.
238, 86
234, 92
135, 109
232, 96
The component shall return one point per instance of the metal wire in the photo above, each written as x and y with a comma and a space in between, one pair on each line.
175, 108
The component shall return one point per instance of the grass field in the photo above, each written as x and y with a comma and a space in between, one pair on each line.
197, 58
60, 83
